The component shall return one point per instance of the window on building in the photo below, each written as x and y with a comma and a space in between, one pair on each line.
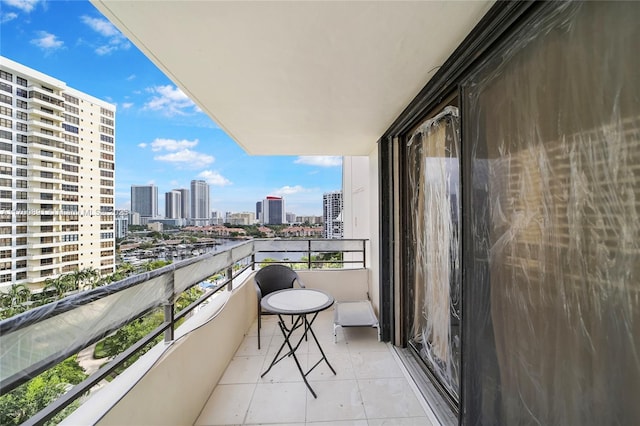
4, 75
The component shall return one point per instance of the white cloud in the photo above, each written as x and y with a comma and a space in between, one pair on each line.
170, 100
126, 105
6, 17
115, 39
131, 77
101, 26
172, 144
142, 145
290, 190
24, 5
322, 161
47, 41
187, 158
214, 178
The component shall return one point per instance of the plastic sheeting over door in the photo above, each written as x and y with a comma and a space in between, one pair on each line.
552, 294
434, 253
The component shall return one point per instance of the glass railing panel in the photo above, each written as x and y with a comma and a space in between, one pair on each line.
196, 272
74, 322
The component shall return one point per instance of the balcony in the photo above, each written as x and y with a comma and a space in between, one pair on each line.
35, 135
41, 113
370, 384
215, 350
33, 123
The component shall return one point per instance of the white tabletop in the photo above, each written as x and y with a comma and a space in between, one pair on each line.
297, 301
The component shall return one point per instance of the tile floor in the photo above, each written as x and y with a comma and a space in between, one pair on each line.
369, 389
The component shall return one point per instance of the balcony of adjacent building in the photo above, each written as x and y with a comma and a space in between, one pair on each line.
44, 112
52, 142
45, 155
47, 97
44, 124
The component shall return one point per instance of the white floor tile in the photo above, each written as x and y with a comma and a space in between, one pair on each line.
402, 421
243, 369
227, 405
284, 371
341, 363
337, 400
375, 365
278, 403
389, 398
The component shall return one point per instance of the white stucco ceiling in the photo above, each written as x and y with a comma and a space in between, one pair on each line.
303, 78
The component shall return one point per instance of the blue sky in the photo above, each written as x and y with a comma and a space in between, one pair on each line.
161, 136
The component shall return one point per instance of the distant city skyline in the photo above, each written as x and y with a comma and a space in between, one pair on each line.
162, 137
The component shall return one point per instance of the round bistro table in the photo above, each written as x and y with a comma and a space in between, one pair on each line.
298, 302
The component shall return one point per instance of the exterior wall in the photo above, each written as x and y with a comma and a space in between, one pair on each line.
185, 202
200, 207
173, 205
344, 285
332, 206
273, 211
360, 213
245, 218
57, 181
144, 200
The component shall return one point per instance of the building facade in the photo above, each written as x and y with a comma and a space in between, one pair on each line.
173, 205
200, 206
185, 202
259, 211
290, 217
144, 200
57, 164
121, 223
273, 210
332, 205
244, 218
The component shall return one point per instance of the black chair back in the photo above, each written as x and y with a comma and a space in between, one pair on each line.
275, 277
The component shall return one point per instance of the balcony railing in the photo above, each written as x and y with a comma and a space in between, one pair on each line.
41, 338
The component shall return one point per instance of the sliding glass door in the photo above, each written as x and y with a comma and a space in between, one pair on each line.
433, 274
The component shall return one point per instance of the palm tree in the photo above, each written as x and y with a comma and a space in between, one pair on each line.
75, 279
125, 269
17, 295
60, 285
90, 277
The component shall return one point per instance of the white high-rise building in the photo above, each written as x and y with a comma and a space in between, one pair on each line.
122, 223
144, 200
173, 205
57, 178
200, 207
332, 205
